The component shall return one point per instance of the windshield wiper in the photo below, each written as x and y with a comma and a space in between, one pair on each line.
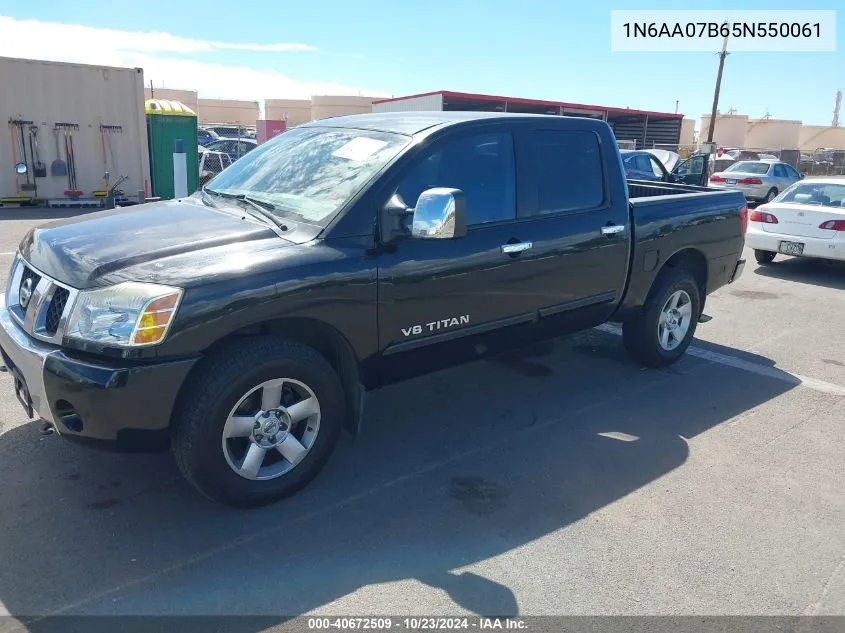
261, 208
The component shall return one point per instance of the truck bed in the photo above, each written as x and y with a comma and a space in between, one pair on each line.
668, 217
648, 188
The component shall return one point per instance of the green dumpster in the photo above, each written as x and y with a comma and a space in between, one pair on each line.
167, 122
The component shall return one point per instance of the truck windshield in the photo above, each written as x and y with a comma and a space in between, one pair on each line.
309, 173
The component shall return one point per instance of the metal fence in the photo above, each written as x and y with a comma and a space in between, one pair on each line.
823, 161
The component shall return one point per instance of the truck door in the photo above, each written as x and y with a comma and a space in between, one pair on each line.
693, 171
577, 265
433, 291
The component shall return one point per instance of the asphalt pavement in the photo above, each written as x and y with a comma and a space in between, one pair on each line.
564, 479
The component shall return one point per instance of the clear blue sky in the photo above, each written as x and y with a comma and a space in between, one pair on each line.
528, 48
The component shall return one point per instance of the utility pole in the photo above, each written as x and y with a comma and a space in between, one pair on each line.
722, 56
836, 108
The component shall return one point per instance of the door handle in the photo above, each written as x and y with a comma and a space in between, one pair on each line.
612, 229
510, 249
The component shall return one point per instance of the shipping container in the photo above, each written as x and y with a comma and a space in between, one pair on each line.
102, 110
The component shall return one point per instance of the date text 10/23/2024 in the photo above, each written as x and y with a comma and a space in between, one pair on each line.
417, 623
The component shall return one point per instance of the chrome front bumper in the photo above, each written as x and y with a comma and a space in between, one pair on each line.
27, 357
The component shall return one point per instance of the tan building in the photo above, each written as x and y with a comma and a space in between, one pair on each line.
736, 130
297, 111
687, 132
186, 97
813, 137
729, 131
228, 111
325, 106
294, 111
772, 134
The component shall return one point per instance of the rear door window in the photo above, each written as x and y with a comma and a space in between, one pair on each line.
567, 169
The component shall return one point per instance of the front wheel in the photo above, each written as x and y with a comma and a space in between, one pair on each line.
257, 421
764, 257
660, 334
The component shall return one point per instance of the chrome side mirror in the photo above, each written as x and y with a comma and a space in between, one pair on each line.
440, 214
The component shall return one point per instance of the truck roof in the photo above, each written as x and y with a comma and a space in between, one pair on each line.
411, 123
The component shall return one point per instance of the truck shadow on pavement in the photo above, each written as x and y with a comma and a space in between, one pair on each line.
816, 272
452, 470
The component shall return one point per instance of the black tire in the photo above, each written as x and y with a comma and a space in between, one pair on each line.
764, 257
215, 387
771, 195
640, 332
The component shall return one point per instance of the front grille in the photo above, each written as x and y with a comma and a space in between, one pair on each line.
28, 273
55, 310
40, 313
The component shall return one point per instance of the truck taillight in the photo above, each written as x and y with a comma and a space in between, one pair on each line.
716, 179
765, 218
833, 225
743, 218
749, 181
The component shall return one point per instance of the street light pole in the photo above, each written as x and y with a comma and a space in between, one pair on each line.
722, 56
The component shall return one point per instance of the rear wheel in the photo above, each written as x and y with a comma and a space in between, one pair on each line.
660, 334
258, 421
771, 194
764, 257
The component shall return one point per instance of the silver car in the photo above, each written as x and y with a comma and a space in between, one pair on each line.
759, 180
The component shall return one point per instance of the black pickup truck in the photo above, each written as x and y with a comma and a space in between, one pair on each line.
242, 326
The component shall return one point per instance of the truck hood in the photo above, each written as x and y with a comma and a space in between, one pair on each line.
84, 251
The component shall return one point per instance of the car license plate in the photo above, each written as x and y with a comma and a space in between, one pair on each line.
731, 181
791, 248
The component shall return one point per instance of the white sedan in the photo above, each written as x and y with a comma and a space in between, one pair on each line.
805, 220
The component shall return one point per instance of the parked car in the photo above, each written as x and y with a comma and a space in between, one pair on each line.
232, 131
664, 166
806, 220
760, 180
205, 136
242, 326
234, 147
642, 165
211, 163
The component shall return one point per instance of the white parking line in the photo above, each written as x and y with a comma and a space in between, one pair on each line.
9, 253
754, 368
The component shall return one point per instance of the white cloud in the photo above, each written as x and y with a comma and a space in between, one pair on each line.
54, 41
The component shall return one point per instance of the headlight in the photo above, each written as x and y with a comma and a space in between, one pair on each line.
127, 315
